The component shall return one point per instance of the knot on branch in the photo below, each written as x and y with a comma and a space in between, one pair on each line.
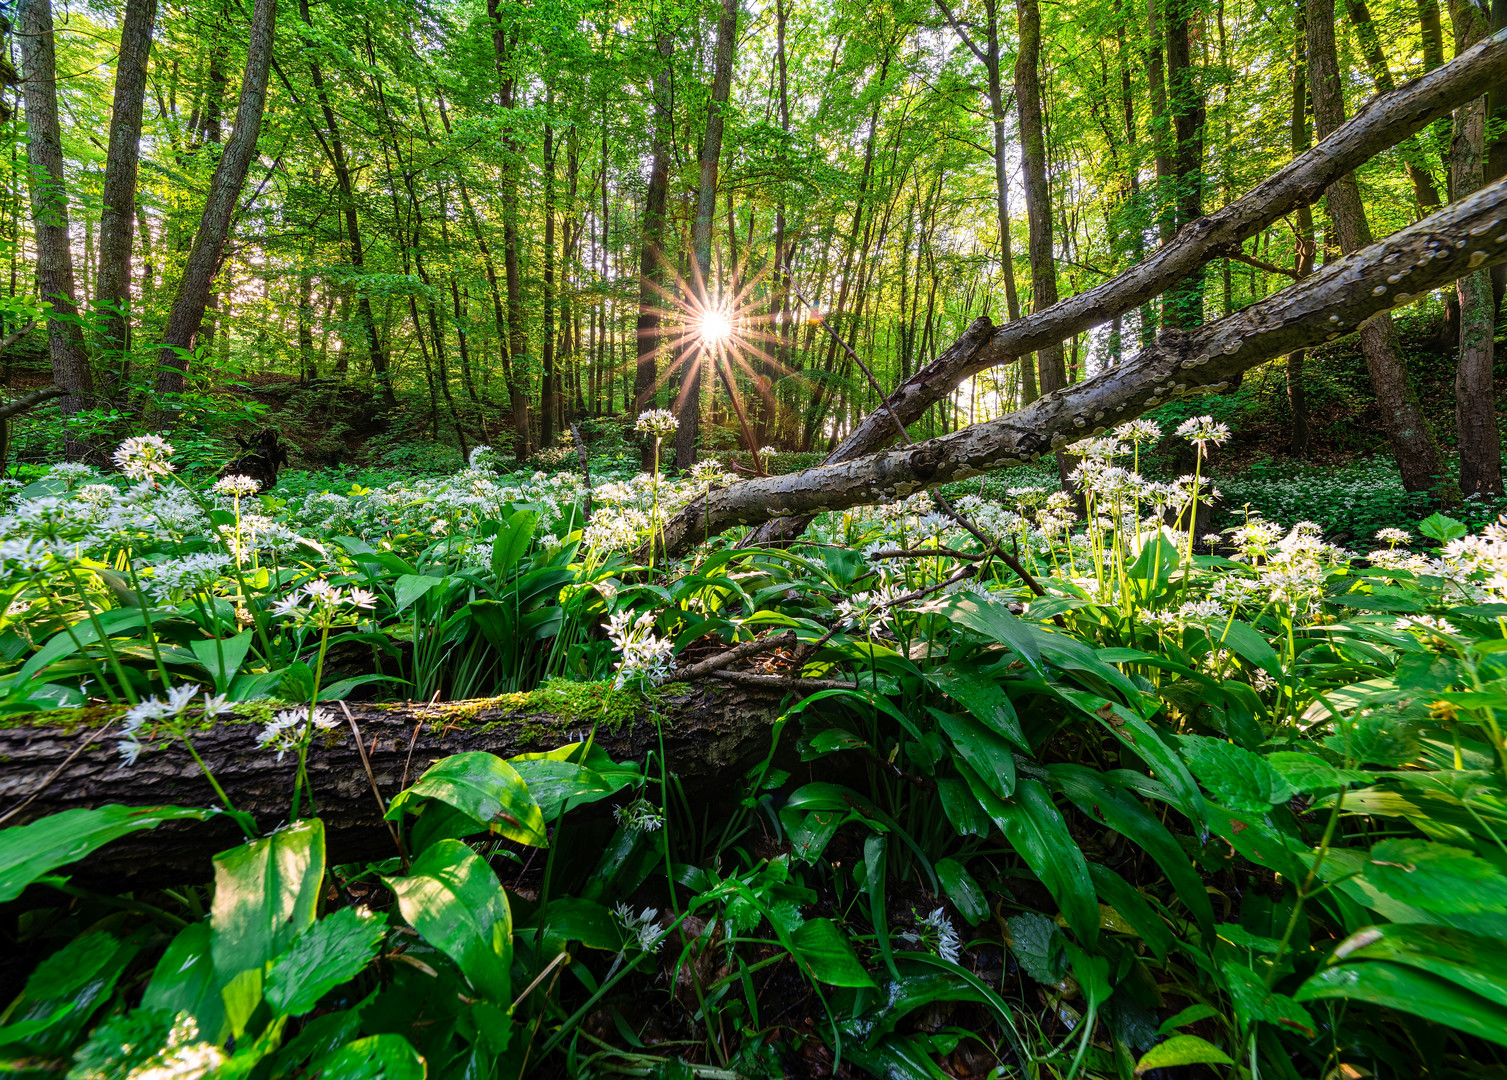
925, 460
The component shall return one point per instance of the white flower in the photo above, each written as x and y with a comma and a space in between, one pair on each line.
1139, 431
292, 728
189, 574
361, 598
1425, 623
142, 457
646, 657
485, 459
657, 422
642, 929
937, 933
639, 816
1394, 536
236, 486
1202, 430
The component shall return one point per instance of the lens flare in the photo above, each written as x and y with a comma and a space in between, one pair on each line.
716, 327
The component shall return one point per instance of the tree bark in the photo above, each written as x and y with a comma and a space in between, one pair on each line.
1380, 123
1424, 190
1480, 443
689, 432
1297, 396
49, 211
1033, 163
224, 193
517, 337
1412, 442
1183, 306
1336, 300
712, 728
112, 285
651, 267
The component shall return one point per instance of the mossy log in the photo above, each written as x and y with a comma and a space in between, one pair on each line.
61, 760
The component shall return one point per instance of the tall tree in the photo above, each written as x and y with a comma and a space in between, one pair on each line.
651, 233
49, 212
224, 194
1303, 256
117, 226
1475, 390
1183, 305
1413, 446
1033, 159
687, 435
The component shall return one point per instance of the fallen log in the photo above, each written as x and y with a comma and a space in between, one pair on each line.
1384, 121
711, 732
1466, 235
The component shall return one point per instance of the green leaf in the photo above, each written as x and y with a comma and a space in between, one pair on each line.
1152, 569
1131, 907
145, 1042
1140, 737
1250, 645
412, 586
1253, 1001
1181, 1050
961, 808
512, 542
811, 832
986, 752
63, 993
558, 786
27, 852
1436, 877
376, 1057
485, 787
1407, 990
266, 893
452, 897
986, 701
1235, 776
184, 981
1308, 772
1441, 528
1037, 947
826, 955
222, 657
1191, 1015
962, 890
571, 918
995, 622
1469, 960
332, 951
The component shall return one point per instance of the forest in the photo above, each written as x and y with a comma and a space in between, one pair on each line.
736, 539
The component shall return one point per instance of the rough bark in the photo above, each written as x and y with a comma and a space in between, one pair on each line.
49, 211
1381, 74
651, 255
712, 729
1338, 299
1297, 397
1480, 443
112, 285
1033, 164
517, 336
1183, 306
1412, 442
1380, 123
224, 194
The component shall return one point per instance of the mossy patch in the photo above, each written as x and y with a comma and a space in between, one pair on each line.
68, 721
571, 703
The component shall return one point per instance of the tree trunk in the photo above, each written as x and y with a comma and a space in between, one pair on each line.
1335, 300
112, 284
1424, 190
1297, 396
1183, 306
651, 267
1480, 443
1033, 161
224, 193
549, 390
712, 729
1412, 442
49, 211
517, 336
687, 435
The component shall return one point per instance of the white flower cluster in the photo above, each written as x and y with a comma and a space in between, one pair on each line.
236, 486
144, 457
639, 816
176, 578
319, 599
292, 728
646, 657
1202, 430
642, 930
172, 711
656, 422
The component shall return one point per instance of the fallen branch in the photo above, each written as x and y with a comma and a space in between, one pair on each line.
767, 643
1382, 122
1467, 235
21, 404
711, 730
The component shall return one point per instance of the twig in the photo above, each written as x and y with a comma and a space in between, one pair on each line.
764, 644
922, 553
24, 803
376, 792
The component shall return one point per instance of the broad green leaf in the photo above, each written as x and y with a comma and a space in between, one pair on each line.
1153, 567
1191, 1015
986, 700
64, 991
1251, 645
1436, 877
812, 831
266, 893
961, 808
376, 1057
512, 542
27, 852
1181, 1050
1140, 737
1131, 907
184, 981
452, 897
995, 622
1306, 771
1253, 1001
826, 955
963, 891
1409, 990
1442, 528
1470, 960
571, 918
222, 657
332, 951
986, 752
1037, 946
485, 787
558, 786
1236, 777
1106, 802
412, 586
